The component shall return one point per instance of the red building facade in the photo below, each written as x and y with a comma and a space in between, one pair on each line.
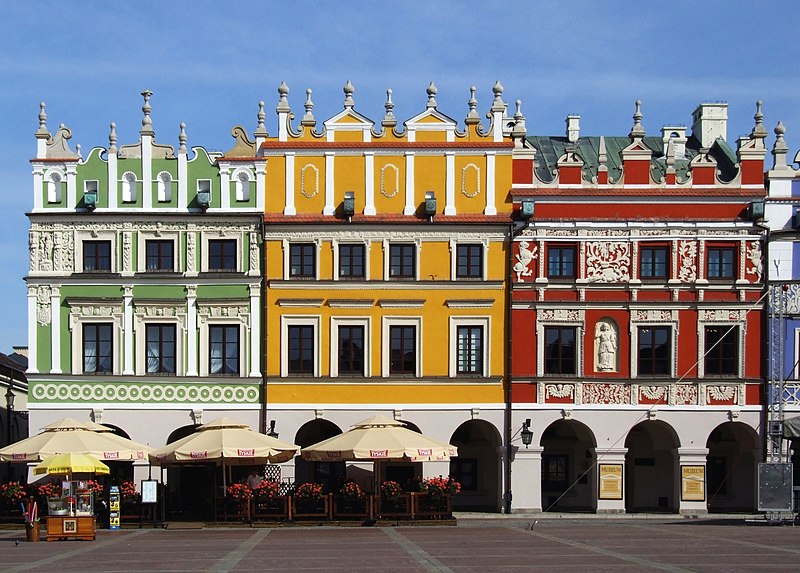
637, 318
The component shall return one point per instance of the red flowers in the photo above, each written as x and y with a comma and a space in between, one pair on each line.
127, 490
441, 486
240, 491
12, 491
352, 490
308, 491
267, 488
390, 489
50, 490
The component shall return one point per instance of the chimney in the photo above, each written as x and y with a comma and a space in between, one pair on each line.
676, 134
710, 121
573, 127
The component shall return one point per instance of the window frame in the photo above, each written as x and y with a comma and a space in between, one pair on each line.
545, 346
314, 255
300, 320
340, 261
102, 311
653, 249
387, 324
561, 248
736, 328
161, 355
226, 327
414, 255
85, 256
670, 366
718, 266
234, 256
458, 322
472, 271
110, 342
557, 485
350, 355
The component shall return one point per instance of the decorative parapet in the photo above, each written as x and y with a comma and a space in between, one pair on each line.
104, 392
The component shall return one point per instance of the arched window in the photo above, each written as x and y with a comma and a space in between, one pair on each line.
55, 182
129, 187
242, 183
164, 187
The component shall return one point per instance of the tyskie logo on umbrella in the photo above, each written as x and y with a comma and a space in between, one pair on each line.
333, 455
198, 455
19, 456
425, 452
251, 453
379, 453
110, 455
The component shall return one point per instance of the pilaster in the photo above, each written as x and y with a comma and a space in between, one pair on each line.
450, 183
526, 479
127, 309
255, 329
410, 208
55, 330
32, 341
330, 186
491, 208
191, 330
369, 175
610, 456
289, 188
696, 458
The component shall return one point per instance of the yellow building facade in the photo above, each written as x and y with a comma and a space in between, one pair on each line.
386, 257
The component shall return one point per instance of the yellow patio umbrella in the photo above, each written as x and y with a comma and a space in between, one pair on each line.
71, 463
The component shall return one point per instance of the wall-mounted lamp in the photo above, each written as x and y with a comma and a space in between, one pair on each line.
526, 434
755, 211
90, 201
526, 209
272, 433
430, 204
349, 205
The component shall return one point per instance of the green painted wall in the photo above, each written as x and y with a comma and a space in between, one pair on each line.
94, 167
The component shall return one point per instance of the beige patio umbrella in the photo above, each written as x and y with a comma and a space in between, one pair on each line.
379, 439
72, 436
225, 442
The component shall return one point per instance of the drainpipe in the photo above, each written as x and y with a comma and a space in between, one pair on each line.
264, 330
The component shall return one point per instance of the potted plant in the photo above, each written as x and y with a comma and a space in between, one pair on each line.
308, 500
390, 489
268, 501
351, 500
239, 492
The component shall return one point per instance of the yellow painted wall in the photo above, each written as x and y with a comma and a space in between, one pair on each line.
275, 179
332, 393
430, 175
397, 201
348, 175
316, 202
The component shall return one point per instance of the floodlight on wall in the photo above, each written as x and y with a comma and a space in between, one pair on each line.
204, 199
796, 220
526, 434
526, 209
349, 205
430, 204
272, 433
755, 211
90, 201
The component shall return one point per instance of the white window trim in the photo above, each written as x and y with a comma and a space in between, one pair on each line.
701, 348
336, 243
300, 320
96, 186
578, 322
287, 258
144, 236
96, 236
128, 178
387, 257
223, 234
164, 186
205, 345
635, 347
241, 190
386, 357
76, 323
454, 259
336, 322
455, 322
142, 319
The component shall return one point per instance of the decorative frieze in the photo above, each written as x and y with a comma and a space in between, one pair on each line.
144, 393
559, 391
43, 315
608, 261
593, 393
561, 315
683, 395
654, 315
723, 315
687, 257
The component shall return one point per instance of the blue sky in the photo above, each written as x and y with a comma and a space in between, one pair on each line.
210, 62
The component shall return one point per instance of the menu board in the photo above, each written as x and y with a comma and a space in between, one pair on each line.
149, 491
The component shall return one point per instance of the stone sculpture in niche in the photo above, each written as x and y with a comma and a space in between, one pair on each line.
605, 344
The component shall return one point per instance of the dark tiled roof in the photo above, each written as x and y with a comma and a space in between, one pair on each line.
550, 149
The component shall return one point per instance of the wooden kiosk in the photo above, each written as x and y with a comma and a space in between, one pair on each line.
72, 516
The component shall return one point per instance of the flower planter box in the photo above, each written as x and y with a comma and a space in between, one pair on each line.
428, 506
349, 507
310, 508
396, 507
234, 509
130, 511
270, 508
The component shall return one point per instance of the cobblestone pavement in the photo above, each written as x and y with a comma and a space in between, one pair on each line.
509, 545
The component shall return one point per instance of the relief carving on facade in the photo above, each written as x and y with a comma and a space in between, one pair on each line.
687, 257
655, 315
754, 256
722, 315
43, 294
191, 240
654, 393
559, 391
685, 394
45, 252
605, 346
606, 393
722, 393
254, 259
608, 261
525, 256
33, 247
126, 251
561, 314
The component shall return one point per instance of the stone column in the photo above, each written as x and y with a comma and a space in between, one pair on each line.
695, 457
526, 480
610, 456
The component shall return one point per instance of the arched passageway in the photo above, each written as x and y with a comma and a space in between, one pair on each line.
731, 467
650, 468
190, 487
329, 474
477, 466
567, 467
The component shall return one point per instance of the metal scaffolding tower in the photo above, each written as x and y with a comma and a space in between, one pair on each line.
778, 294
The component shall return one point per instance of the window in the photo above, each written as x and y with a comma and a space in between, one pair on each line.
559, 350
96, 256
470, 349
722, 350
160, 341
403, 352
164, 187
159, 255
469, 261
351, 261
302, 262
402, 261
721, 262
222, 255
653, 263
561, 262
223, 349
351, 350
301, 349
555, 472
654, 350
465, 472
97, 348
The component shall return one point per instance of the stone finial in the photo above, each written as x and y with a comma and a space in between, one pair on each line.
261, 130
349, 90
472, 116
498, 104
670, 154
389, 119
147, 123
112, 138
780, 149
283, 102
759, 131
637, 131
602, 154
432, 91
182, 138
573, 122
519, 120
78, 150
308, 117
42, 131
